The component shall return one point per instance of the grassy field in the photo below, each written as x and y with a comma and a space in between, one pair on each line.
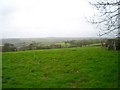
82, 67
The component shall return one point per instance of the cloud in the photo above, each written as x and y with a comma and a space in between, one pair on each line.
34, 18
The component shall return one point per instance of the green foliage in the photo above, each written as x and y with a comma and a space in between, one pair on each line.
85, 67
8, 47
113, 44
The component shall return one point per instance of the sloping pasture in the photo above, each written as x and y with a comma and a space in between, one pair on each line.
82, 67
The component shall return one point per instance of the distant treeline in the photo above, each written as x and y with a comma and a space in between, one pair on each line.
8, 47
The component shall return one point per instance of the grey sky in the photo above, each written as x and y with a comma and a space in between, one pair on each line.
45, 18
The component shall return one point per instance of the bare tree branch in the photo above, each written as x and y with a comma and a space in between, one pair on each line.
108, 17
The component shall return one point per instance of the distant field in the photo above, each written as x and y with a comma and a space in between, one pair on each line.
82, 67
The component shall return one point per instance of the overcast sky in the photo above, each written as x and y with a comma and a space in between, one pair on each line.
45, 18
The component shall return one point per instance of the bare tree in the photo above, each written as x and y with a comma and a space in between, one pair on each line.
108, 16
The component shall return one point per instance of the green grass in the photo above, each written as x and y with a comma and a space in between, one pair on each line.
0, 70
63, 44
82, 67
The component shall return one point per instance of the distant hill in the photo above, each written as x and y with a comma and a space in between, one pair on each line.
47, 39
